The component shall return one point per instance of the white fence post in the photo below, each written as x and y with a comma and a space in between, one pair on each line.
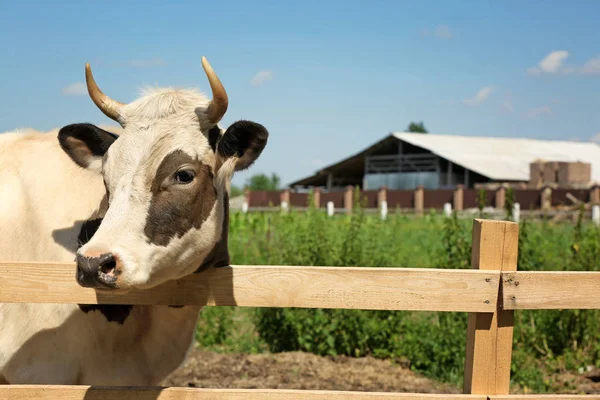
284, 206
384, 210
330, 209
447, 209
245, 207
596, 215
516, 212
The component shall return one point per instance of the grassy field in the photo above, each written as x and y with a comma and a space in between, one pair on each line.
545, 342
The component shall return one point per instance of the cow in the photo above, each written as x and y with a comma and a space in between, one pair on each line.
132, 210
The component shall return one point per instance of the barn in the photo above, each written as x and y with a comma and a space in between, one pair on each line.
404, 161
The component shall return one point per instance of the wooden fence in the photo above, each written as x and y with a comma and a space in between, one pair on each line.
490, 292
422, 199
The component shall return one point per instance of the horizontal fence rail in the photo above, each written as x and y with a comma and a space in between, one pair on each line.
489, 292
545, 290
39, 392
271, 286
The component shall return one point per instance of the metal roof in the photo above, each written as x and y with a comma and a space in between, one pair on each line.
498, 158
504, 158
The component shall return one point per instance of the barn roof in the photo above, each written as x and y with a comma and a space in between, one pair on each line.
498, 158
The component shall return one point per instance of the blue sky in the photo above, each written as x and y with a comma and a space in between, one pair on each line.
325, 77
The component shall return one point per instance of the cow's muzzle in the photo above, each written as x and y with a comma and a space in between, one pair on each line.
99, 272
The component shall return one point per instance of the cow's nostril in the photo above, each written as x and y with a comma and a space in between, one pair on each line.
108, 264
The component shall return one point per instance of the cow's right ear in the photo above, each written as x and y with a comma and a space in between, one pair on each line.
86, 144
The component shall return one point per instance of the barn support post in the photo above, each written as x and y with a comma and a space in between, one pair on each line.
490, 335
419, 198
458, 197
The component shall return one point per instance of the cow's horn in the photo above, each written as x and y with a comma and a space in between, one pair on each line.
218, 105
111, 108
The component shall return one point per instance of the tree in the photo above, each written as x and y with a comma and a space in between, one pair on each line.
263, 182
417, 127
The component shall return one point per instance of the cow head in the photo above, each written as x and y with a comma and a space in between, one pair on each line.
167, 179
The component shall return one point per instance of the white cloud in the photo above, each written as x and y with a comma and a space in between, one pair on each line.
596, 138
75, 89
591, 67
507, 105
153, 62
538, 111
443, 32
554, 63
480, 97
440, 32
261, 77
551, 64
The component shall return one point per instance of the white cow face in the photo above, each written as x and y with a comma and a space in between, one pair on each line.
167, 178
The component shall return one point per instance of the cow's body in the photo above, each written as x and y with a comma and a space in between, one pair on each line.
40, 220
133, 210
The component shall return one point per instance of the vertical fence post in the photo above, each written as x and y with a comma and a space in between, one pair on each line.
317, 198
447, 209
246, 202
382, 195
546, 198
500, 199
419, 200
595, 194
284, 196
348, 198
458, 197
384, 210
489, 335
330, 208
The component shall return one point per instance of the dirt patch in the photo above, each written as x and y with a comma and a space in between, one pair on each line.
299, 371
571, 383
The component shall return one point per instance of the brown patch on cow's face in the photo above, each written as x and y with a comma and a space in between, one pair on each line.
219, 255
183, 196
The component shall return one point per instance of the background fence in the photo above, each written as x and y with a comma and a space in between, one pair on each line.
490, 292
421, 199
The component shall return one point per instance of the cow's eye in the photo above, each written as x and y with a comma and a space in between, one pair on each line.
184, 176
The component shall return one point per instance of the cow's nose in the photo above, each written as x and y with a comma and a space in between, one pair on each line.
97, 272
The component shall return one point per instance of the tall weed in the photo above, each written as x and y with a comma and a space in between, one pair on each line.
434, 343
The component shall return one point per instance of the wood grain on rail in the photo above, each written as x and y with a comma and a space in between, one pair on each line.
544, 290
271, 286
26, 392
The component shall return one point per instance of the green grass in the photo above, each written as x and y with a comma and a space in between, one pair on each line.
544, 341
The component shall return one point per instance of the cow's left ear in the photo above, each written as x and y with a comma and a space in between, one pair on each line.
86, 144
243, 140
